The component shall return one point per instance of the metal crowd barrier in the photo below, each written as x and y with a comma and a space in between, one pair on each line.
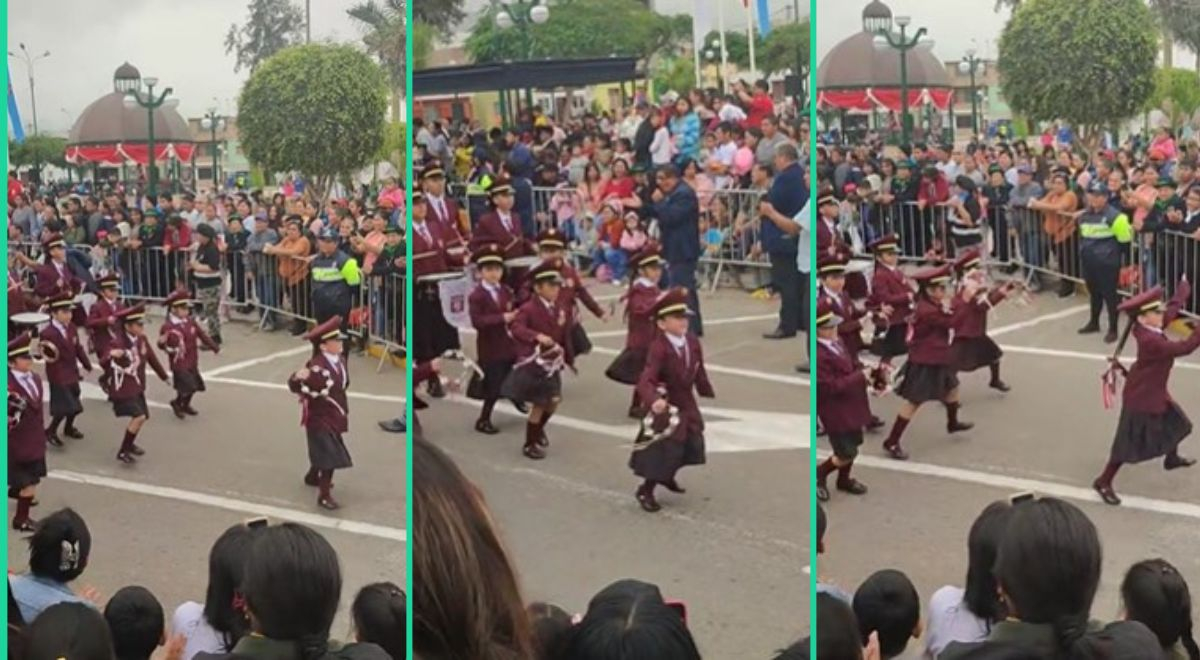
1039, 244
276, 290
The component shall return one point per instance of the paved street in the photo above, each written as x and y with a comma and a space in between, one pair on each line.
734, 548
153, 523
1049, 435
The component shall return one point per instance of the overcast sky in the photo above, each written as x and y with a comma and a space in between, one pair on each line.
182, 42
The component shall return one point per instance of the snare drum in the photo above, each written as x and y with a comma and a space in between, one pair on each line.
429, 283
30, 319
522, 262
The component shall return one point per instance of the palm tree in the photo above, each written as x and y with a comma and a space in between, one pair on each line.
384, 34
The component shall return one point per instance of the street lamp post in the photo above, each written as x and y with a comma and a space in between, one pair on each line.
133, 99
30, 60
885, 40
212, 122
969, 66
521, 14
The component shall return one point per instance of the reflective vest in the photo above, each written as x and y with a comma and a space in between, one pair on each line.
1103, 233
333, 279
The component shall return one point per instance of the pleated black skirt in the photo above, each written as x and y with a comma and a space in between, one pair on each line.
530, 383
327, 450
627, 366
971, 353
920, 383
488, 386
65, 400
1145, 436
661, 459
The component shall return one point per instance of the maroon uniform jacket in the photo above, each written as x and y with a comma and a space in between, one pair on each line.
429, 255
932, 333
828, 236
17, 301
975, 316
850, 329
842, 397
193, 336
50, 281
682, 377
536, 318
101, 321
130, 381
890, 287
490, 230
639, 315
27, 438
449, 221
492, 341
1146, 383
63, 370
573, 291
330, 412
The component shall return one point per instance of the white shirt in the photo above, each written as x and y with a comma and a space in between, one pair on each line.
833, 344
662, 148
731, 113
438, 203
27, 381
506, 220
804, 221
492, 289
335, 361
949, 620
725, 154
680, 344
189, 621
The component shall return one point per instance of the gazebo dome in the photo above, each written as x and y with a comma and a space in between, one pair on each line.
126, 77
877, 16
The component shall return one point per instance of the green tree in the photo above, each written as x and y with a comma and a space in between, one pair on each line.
317, 109
579, 28
1181, 25
441, 15
785, 48
676, 74
736, 45
1087, 62
384, 36
271, 26
422, 45
393, 147
1177, 94
38, 150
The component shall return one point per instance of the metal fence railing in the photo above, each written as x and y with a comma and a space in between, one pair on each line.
1040, 244
275, 289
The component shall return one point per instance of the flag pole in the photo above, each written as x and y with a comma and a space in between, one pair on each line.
724, 51
750, 4
696, 47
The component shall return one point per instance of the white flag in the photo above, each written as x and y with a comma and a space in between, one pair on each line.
702, 23
453, 294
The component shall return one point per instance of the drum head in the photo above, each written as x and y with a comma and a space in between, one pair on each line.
522, 262
29, 318
434, 278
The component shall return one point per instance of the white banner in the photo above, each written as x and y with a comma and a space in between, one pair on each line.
453, 294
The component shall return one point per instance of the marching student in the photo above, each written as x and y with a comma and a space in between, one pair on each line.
542, 331
891, 299
433, 335
841, 400
673, 375
502, 225
973, 348
102, 317
832, 272
1152, 424
26, 431
491, 308
55, 277
181, 337
61, 370
126, 360
552, 244
929, 373
325, 411
640, 324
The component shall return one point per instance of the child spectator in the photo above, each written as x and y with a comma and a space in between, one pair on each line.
135, 622
630, 619
551, 630
379, 617
1156, 594
887, 604
633, 239
68, 631
58, 553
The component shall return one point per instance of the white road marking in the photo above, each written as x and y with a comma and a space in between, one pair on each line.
229, 504
92, 392
1019, 484
707, 322
1095, 357
732, 371
366, 396
244, 364
1062, 314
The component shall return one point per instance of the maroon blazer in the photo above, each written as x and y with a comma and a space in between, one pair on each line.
17, 300
891, 287
490, 230
50, 282
827, 237
27, 438
492, 341
932, 332
573, 291
63, 370
328, 413
639, 315
449, 222
131, 384
975, 316
193, 336
842, 396
850, 330
682, 380
101, 320
533, 319
430, 256
1146, 383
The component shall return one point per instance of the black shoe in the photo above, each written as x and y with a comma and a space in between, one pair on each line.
895, 451
27, 525
959, 427
803, 368
177, 409
1110, 337
852, 486
999, 385
534, 452
393, 425
1106, 493
136, 450
73, 433
875, 424
521, 407
822, 493
328, 503
126, 458
1089, 329
674, 486
435, 389
53, 439
189, 410
310, 478
779, 334
1176, 461
485, 426
647, 502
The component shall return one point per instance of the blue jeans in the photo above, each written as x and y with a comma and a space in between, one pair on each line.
268, 295
616, 260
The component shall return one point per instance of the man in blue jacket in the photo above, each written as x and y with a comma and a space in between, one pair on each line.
787, 196
678, 213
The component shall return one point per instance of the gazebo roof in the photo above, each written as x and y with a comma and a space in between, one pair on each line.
856, 64
108, 121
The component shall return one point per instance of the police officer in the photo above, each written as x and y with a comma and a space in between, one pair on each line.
1103, 233
335, 279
